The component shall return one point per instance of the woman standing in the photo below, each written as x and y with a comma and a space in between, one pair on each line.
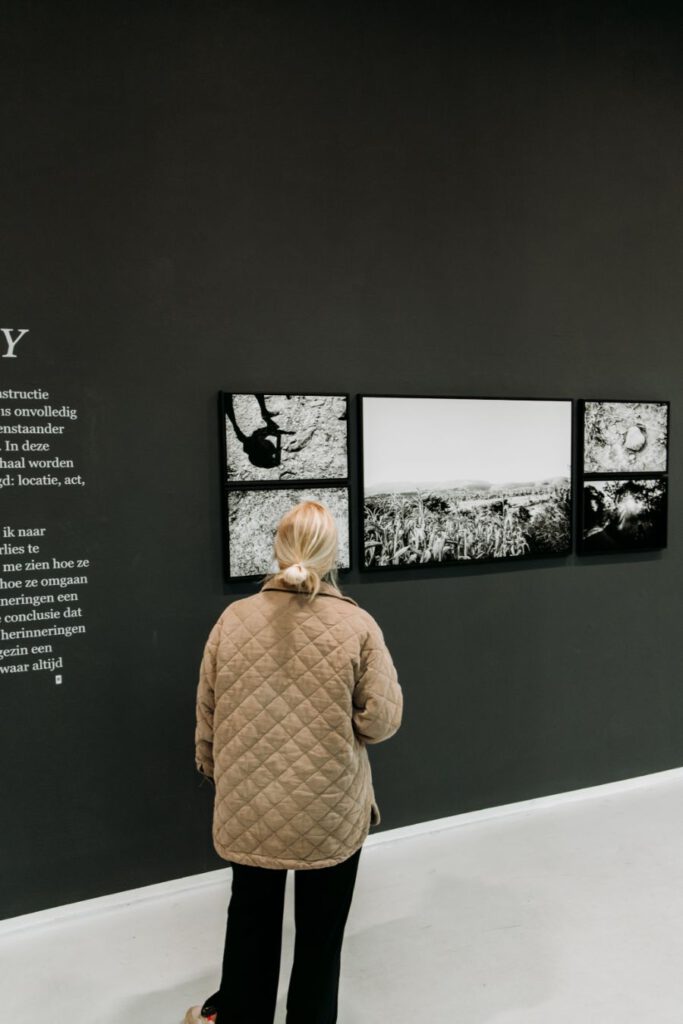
294, 683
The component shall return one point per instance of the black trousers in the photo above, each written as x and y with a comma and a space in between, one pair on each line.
253, 943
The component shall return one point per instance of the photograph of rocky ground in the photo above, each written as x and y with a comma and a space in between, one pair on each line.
463, 480
625, 437
285, 437
253, 516
624, 515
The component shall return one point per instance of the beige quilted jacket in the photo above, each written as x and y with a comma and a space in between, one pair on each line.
290, 692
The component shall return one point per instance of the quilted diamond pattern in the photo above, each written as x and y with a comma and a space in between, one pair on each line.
290, 693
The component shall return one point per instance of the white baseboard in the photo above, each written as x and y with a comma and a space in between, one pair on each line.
118, 900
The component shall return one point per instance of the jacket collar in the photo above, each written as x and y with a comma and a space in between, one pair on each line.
326, 590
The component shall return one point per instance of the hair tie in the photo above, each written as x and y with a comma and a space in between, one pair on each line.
295, 573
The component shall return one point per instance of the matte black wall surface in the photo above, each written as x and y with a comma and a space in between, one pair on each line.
425, 199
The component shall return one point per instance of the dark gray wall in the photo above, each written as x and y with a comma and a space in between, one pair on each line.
374, 197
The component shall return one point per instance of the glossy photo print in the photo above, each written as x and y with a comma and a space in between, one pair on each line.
275, 438
252, 518
625, 437
622, 516
449, 480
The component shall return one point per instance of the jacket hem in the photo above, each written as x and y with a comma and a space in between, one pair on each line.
288, 863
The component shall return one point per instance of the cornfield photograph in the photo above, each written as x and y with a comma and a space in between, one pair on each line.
253, 516
625, 437
449, 480
620, 516
284, 437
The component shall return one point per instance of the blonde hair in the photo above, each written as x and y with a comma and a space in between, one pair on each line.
306, 547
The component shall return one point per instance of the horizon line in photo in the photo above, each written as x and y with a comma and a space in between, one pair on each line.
413, 487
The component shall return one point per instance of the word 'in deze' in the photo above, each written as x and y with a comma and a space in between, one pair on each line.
10, 342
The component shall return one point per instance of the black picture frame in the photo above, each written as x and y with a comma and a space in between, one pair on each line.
611, 538
650, 526
627, 470
307, 485
265, 493
562, 552
225, 399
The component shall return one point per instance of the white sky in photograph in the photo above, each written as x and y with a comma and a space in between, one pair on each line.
423, 440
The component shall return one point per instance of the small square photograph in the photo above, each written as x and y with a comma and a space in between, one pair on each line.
285, 437
625, 437
253, 516
623, 515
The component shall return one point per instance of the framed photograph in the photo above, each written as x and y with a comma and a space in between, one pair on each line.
252, 515
624, 437
623, 515
460, 480
284, 438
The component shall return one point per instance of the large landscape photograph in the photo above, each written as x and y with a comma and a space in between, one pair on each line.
449, 480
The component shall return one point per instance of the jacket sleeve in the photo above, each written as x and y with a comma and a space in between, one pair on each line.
377, 696
203, 739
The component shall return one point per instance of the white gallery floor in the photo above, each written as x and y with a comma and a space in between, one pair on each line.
567, 912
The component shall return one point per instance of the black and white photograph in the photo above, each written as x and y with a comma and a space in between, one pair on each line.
459, 480
625, 437
253, 516
619, 516
272, 438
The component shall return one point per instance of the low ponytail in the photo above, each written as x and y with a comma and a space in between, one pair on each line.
295, 574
